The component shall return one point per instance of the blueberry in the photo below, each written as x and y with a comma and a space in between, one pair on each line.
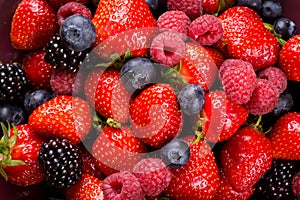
254, 4
12, 113
271, 9
78, 32
136, 73
191, 99
284, 105
154, 6
176, 153
35, 99
285, 27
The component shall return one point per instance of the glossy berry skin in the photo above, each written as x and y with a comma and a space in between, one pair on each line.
14, 114
78, 32
254, 4
35, 99
288, 58
154, 6
191, 99
271, 9
136, 73
176, 153
285, 27
67, 117
284, 137
284, 105
245, 157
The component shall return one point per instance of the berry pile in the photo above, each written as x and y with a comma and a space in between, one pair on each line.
151, 99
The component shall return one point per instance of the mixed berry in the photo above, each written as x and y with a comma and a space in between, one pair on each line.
151, 99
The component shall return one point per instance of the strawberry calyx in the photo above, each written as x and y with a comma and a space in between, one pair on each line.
113, 123
258, 125
223, 5
116, 60
277, 36
6, 144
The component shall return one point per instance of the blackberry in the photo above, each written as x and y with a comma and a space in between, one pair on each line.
13, 83
61, 163
61, 57
277, 182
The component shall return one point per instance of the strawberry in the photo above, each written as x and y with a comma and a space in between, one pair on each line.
19, 155
245, 157
285, 137
87, 188
33, 24
37, 70
63, 117
116, 17
216, 6
105, 91
289, 58
225, 190
117, 149
221, 117
198, 66
155, 115
198, 178
246, 38
216, 55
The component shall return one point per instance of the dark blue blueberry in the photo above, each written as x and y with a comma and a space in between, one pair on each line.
284, 105
285, 27
12, 113
154, 6
176, 153
254, 4
35, 99
78, 32
136, 73
271, 9
191, 99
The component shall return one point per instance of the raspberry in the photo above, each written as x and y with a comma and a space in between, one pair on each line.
296, 185
167, 48
206, 29
66, 82
276, 77
153, 175
72, 8
239, 79
264, 98
176, 21
192, 8
122, 186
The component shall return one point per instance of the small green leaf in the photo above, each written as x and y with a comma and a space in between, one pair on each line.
4, 150
14, 163
12, 141
3, 173
5, 136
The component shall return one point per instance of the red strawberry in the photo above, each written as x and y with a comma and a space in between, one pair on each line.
246, 38
222, 118
198, 66
33, 24
216, 55
289, 58
63, 117
155, 115
116, 149
105, 91
115, 16
198, 178
226, 192
37, 70
87, 188
245, 157
285, 137
216, 6
22, 168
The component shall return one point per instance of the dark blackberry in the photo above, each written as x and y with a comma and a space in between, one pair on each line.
13, 83
61, 163
277, 182
61, 57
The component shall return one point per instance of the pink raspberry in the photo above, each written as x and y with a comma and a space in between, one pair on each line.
206, 29
153, 175
167, 48
238, 79
176, 21
192, 8
66, 82
276, 77
122, 186
264, 98
296, 185
72, 8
